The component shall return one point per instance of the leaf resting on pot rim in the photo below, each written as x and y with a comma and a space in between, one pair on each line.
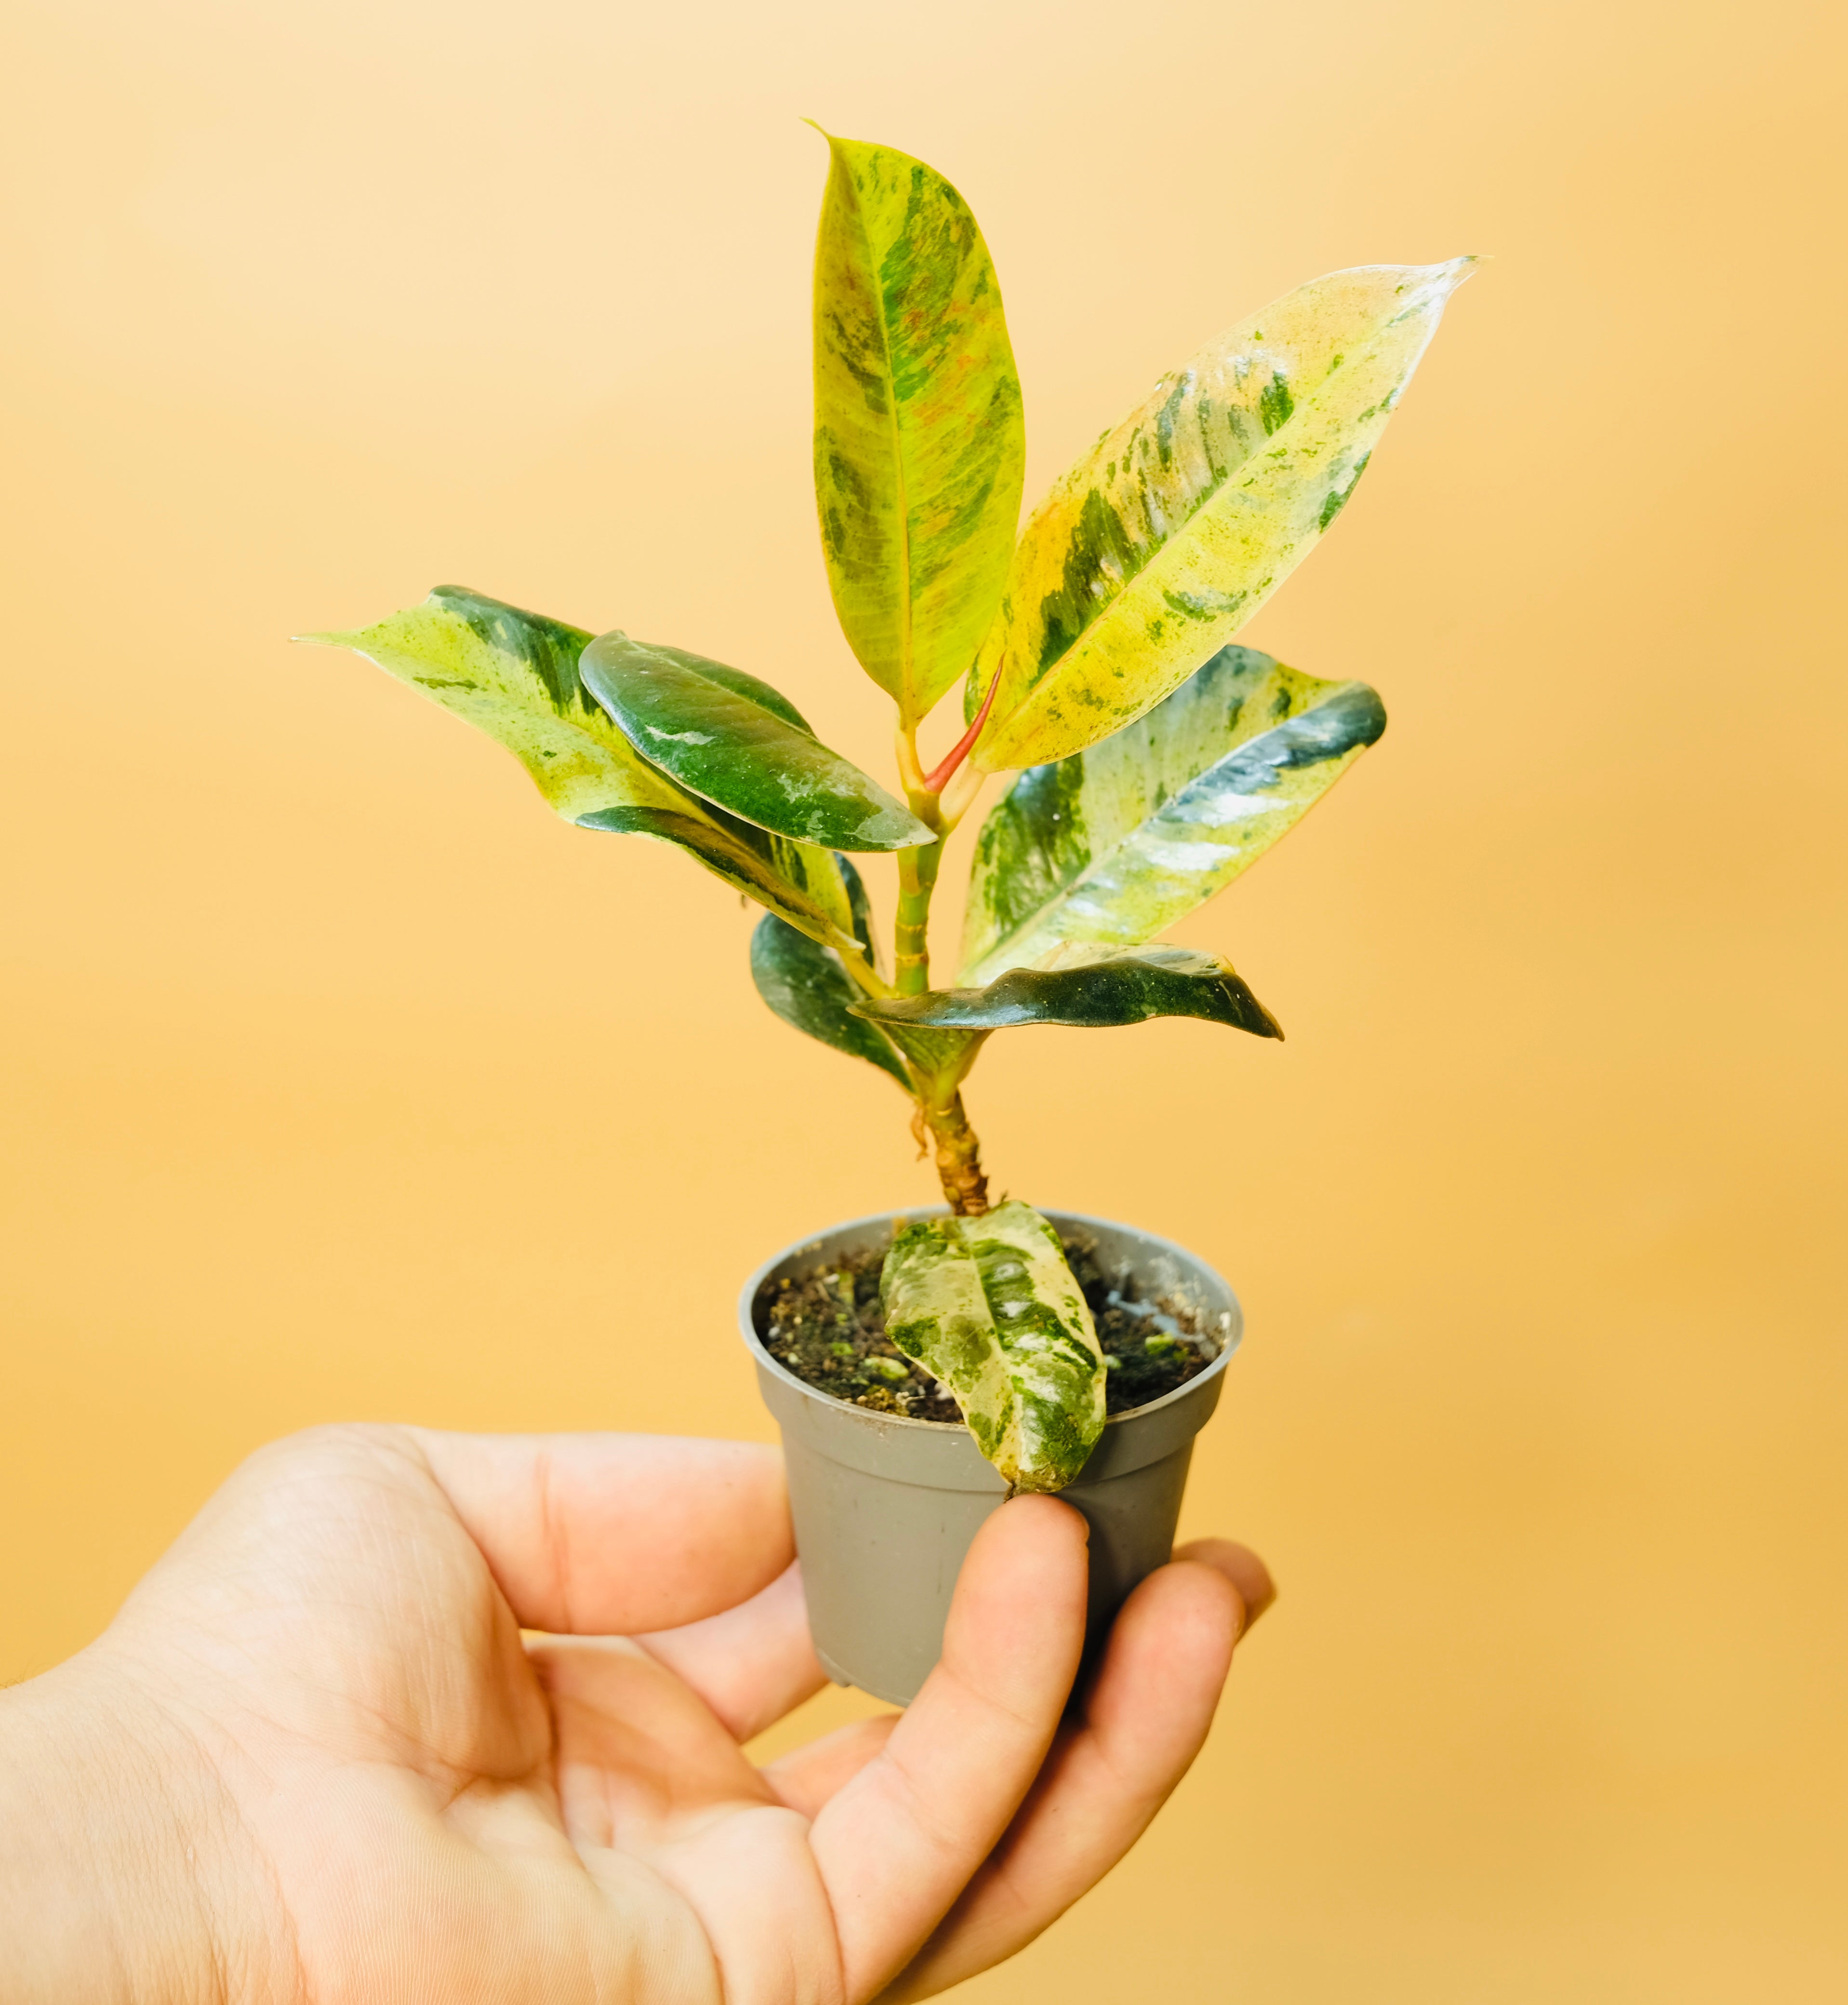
1092, 987
514, 675
806, 985
1166, 537
989, 1306
734, 741
920, 444
1115, 844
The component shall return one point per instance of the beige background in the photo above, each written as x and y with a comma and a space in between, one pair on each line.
342, 1081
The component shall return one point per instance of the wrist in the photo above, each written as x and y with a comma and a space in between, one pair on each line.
123, 1874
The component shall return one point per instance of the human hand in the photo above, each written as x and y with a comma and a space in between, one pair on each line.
314, 1759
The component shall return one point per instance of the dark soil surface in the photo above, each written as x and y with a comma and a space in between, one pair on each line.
828, 1327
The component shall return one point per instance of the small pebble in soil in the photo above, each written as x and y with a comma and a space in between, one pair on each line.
829, 1327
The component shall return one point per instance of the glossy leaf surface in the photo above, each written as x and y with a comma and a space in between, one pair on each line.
1092, 987
1166, 537
989, 1306
1115, 844
920, 444
805, 984
734, 741
514, 675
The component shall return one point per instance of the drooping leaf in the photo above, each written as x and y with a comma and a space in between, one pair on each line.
919, 445
1093, 988
989, 1306
514, 675
734, 741
805, 984
1115, 844
1175, 527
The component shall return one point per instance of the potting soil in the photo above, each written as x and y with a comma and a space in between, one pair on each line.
829, 1328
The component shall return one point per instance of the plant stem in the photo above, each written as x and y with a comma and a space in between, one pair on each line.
911, 770
939, 1099
959, 1157
918, 877
918, 880
864, 975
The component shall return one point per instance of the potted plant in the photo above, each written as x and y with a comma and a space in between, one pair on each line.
924, 1365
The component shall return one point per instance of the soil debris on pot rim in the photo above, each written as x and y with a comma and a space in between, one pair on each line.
828, 1327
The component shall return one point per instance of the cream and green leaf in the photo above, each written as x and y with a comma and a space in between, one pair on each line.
919, 442
737, 743
989, 1306
513, 676
1089, 988
1115, 844
1168, 536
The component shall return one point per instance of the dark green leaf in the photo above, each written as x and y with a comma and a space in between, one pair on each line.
738, 682
730, 739
1093, 988
807, 986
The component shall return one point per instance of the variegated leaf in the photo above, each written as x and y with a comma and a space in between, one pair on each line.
736, 742
514, 675
988, 1306
1090, 987
1175, 527
1115, 844
920, 444
806, 985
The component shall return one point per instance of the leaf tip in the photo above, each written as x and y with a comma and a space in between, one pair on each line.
924, 834
1445, 278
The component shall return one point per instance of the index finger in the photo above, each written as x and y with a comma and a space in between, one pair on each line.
606, 1534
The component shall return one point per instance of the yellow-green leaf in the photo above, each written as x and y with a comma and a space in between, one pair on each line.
514, 675
1165, 539
919, 445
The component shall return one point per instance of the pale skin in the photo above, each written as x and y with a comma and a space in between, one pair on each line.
315, 1761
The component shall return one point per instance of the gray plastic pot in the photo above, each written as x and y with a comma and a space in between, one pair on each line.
885, 1507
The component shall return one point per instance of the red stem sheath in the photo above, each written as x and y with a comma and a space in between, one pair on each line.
934, 783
